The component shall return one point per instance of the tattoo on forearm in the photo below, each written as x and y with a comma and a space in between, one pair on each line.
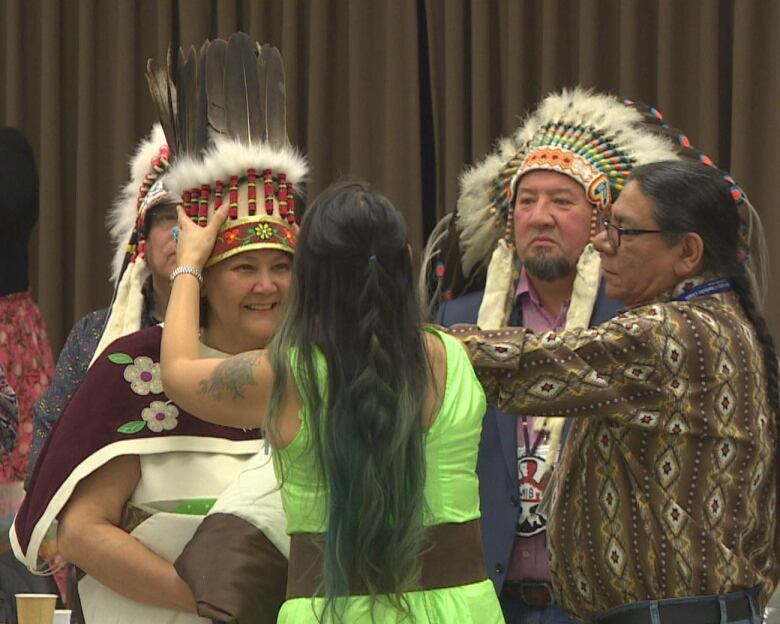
231, 377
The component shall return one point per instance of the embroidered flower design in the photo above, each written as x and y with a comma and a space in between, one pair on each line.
160, 416
264, 231
231, 236
144, 376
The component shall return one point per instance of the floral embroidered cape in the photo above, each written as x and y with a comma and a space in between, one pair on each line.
119, 409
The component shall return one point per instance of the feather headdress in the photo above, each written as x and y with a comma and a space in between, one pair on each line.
222, 114
223, 110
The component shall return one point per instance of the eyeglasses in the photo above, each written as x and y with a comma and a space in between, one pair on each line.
615, 233
163, 216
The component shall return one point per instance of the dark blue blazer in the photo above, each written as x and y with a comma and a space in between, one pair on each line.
497, 460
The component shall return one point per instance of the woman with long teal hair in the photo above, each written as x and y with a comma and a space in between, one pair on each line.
374, 421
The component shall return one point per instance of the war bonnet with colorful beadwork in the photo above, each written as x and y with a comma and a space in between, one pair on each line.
224, 110
594, 138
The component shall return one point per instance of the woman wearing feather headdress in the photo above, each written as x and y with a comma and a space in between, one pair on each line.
147, 496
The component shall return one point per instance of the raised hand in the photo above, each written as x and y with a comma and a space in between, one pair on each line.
194, 243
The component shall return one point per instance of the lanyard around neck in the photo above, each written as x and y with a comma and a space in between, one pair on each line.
707, 288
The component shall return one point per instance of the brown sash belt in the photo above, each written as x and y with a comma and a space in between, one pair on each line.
452, 556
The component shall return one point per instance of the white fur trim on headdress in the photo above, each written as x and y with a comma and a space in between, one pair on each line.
124, 212
475, 217
228, 157
479, 218
585, 289
124, 316
497, 300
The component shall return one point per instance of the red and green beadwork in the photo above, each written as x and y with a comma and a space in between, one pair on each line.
251, 233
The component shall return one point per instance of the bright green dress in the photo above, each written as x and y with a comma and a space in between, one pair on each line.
451, 494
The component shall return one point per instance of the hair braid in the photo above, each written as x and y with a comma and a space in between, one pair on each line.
691, 197
354, 306
741, 284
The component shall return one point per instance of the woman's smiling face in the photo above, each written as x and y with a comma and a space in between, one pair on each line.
245, 295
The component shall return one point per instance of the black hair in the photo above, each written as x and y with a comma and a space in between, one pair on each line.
354, 302
18, 208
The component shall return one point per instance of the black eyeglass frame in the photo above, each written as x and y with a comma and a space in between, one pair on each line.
619, 231
161, 213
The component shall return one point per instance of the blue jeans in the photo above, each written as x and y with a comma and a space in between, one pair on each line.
517, 612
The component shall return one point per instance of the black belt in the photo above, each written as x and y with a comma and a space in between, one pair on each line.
532, 593
740, 605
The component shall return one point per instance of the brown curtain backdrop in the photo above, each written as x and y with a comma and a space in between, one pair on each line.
403, 93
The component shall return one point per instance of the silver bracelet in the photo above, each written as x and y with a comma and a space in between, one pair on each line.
187, 269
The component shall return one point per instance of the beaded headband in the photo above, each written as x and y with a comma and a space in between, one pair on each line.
229, 129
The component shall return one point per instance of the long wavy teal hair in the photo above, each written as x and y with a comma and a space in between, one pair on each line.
354, 301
